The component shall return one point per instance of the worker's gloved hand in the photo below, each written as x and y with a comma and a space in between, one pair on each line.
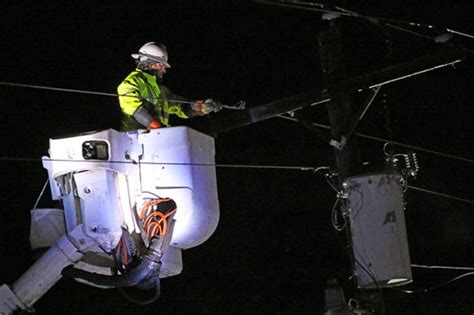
154, 124
211, 105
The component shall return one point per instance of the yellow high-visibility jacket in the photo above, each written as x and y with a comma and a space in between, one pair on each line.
140, 88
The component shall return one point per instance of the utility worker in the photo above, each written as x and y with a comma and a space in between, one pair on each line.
145, 102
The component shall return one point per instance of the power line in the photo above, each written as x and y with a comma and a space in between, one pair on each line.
317, 7
442, 267
438, 285
281, 116
446, 155
441, 194
237, 106
51, 88
249, 166
41, 194
452, 63
242, 165
411, 147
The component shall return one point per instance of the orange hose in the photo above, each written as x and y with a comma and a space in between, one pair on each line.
125, 252
155, 223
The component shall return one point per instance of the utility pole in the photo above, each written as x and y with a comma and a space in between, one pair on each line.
383, 208
343, 121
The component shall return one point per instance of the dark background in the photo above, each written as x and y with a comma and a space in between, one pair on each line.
274, 248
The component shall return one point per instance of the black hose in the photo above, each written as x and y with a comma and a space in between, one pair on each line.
143, 300
148, 268
149, 282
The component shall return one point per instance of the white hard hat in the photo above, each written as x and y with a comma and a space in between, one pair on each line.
152, 53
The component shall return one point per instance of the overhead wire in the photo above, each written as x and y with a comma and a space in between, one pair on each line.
280, 167
442, 267
68, 90
377, 20
280, 116
41, 193
441, 194
302, 168
365, 267
437, 286
249, 166
240, 105
451, 63
254, 166
411, 147
446, 155
317, 7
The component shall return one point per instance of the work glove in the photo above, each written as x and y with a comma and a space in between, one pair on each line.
210, 106
154, 124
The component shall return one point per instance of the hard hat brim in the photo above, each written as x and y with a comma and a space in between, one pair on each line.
151, 59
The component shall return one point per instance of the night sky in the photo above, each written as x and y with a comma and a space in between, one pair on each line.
274, 248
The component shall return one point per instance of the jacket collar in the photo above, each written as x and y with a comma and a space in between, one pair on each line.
147, 74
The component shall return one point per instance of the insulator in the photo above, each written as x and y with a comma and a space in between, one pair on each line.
407, 161
413, 164
415, 161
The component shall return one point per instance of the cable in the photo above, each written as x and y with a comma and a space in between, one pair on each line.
155, 215
360, 204
328, 177
334, 219
369, 273
409, 31
41, 193
411, 147
393, 142
452, 63
438, 285
141, 300
354, 260
50, 88
317, 7
290, 5
240, 105
441, 194
442, 38
442, 267
278, 167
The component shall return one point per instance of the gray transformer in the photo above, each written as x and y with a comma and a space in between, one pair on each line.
375, 206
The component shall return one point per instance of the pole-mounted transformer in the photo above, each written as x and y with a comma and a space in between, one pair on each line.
375, 206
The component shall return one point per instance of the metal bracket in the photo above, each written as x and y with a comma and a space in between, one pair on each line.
338, 144
361, 113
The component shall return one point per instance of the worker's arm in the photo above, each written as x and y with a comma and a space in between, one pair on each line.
184, 108
142, 116
176, 104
